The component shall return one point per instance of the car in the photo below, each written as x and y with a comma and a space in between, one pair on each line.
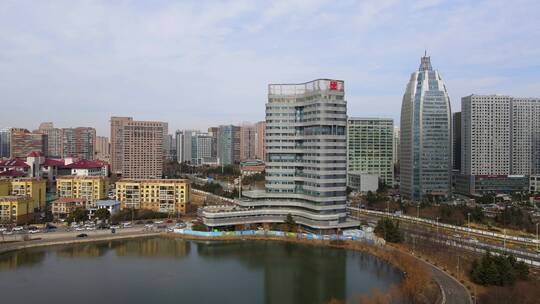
126, 225
162, 226
79, 229
148, 226
115, 227
18, 228
90, 228
82, 235
3, 229
8, 233
158, 222
33, 231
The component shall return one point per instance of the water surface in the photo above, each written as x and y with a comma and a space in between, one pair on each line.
162, 270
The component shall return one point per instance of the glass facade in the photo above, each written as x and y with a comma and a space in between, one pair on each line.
426, 147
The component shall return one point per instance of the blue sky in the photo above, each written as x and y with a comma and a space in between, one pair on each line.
200, 63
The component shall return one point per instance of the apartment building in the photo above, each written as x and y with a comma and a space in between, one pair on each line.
79, 142
23, 142
260, 138
370, 143
160, 195
247, 141
137, 147
89, 188
35, 188
54, 139
16, 209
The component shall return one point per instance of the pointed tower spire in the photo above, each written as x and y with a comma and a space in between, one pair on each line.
425, 63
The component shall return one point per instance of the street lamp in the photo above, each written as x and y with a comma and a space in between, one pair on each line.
537, 237
418, 210
437, 225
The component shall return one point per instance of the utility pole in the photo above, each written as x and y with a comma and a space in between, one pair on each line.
469, 223
504, 240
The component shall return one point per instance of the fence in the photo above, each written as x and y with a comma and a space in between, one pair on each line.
359, 235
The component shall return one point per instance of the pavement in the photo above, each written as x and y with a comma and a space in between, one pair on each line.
15, 242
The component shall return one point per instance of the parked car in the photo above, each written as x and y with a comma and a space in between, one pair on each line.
33, 231
82, 235
3, 229
18, 228
115, 227
158, 222
79, 229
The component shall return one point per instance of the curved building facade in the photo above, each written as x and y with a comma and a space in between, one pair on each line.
426, 138
306, 160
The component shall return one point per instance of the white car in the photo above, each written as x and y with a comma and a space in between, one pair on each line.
33, 231
115, 227
149, 226
158, 222
2, 229
18, 228
91, 228
79, 229
8, 233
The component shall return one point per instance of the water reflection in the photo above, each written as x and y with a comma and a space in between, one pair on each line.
161, 270
24, 258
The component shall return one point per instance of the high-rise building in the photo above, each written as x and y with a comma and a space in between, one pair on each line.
500, 135
5, 142
54, 139
79, 142
228, 145
23, 142
184, 145
395, 157
137, 147
117, 143
103, 150
306, 160
370, 144
260, 144
247, 141
456, 141
426, 136
201, 152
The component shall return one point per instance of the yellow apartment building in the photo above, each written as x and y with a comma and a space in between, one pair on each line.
89, 188
16, 209
5, 187
33, 187
161, 195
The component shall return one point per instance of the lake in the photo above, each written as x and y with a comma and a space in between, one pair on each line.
166, 270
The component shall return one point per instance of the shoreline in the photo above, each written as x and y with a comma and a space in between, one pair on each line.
389, 254
73, 241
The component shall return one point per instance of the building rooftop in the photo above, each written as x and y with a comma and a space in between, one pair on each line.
11, 198
35, 154
107, 203
69, 200
155, 181
54, 162
87, 164
12, 173
14, 163
79, 177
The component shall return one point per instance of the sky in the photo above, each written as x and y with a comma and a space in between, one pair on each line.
196, 64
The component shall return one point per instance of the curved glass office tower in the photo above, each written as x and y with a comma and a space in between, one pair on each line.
426, 140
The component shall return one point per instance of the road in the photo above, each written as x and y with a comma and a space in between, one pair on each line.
453, 291
64, 237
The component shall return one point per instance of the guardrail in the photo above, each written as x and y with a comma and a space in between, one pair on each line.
449, 226
360, 236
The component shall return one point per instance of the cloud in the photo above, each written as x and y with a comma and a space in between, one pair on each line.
202, 63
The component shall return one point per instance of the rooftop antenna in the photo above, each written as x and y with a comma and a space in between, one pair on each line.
425, 53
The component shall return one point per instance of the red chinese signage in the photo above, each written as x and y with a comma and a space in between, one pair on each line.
333, 85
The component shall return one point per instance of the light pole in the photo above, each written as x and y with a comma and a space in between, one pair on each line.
437, 225
469, 223
504, 240
537, 237
418, 210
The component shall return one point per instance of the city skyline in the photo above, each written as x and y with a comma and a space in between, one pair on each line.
209, 64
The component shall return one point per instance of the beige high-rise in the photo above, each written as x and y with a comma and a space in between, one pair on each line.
260, 145
54, 139
247, 141
137, 147
103, 151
